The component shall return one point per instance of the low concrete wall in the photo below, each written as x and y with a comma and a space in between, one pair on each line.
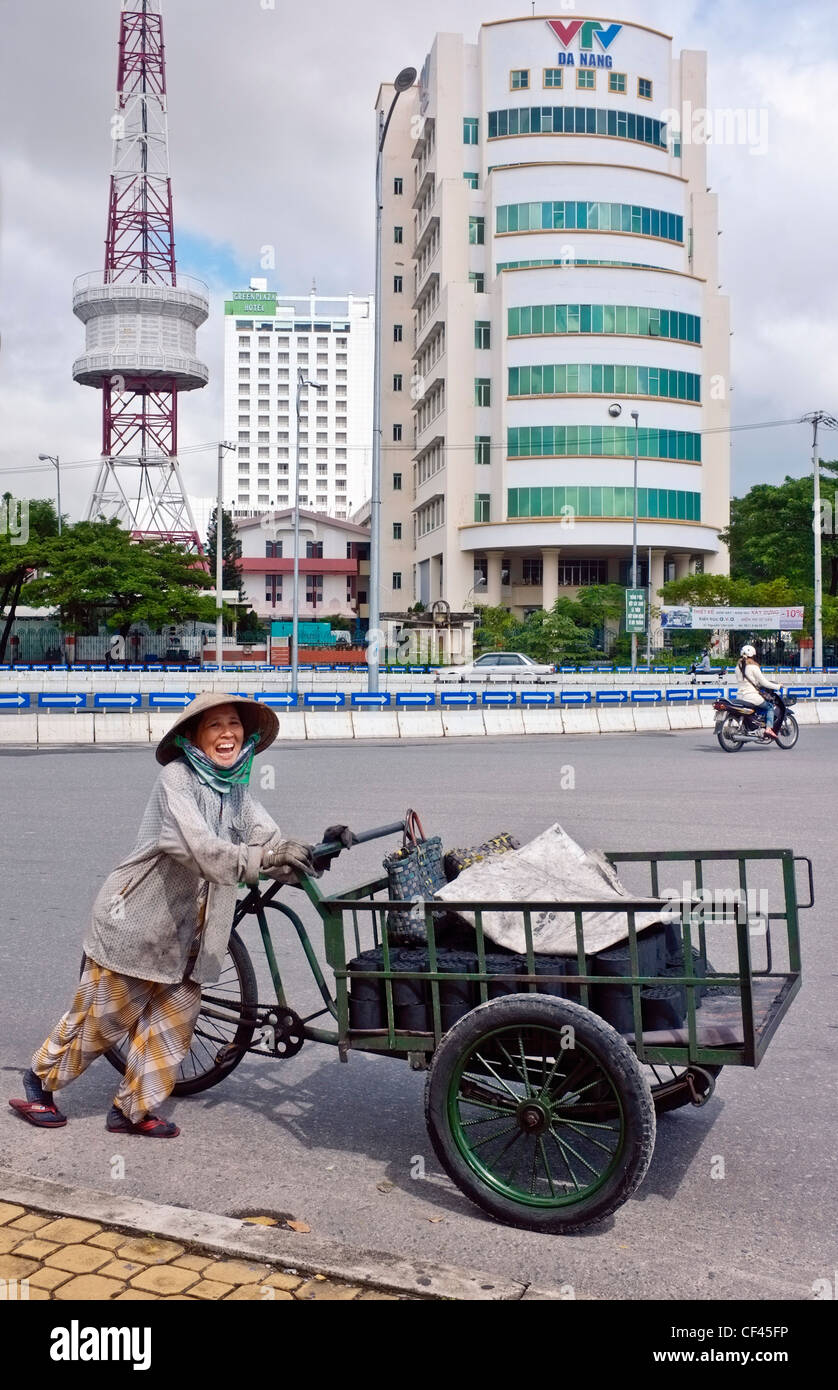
144, 727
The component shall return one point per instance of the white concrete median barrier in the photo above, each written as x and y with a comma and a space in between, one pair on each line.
462, 723
807, 712
121, 728
707, 715
684, 717
580, 721
616, 720
160, 722
19, 728
382, 723
827, 711
503, 722
65, 728
543, 721
650, 719
292, 724
331, 724
420, 723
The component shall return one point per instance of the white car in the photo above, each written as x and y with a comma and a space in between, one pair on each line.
512, 664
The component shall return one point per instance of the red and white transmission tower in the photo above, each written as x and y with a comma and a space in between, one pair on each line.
140, 318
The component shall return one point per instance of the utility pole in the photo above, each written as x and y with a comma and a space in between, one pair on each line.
815, 418
219, 558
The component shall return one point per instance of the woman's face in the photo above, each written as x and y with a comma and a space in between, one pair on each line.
220, 735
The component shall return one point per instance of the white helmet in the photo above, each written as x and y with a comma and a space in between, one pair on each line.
748, 650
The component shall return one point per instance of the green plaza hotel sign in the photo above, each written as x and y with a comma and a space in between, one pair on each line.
251, 302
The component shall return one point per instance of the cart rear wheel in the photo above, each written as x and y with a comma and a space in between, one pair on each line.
235, 991
539, 1112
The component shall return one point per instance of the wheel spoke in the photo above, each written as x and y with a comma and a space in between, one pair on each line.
474, 1088
560, 1145
490, 1068
590, 1138
514, 1065
590, 1168
491, 1137
543, 1150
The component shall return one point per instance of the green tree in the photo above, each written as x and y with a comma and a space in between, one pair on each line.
38, 521
98, 574
231, 550
496, 625
770, 531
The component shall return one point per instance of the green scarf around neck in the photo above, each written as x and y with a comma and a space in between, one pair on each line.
221, 779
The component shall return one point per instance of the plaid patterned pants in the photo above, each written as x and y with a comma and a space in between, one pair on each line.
159, 1020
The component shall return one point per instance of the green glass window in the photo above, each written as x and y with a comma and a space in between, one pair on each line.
519, 79
482, 506
661, 504
585, 79
613, 319
609, 441
610, 379
581, 216
473, 180
471, 127
617, 82
553, 77
482, 334
482, 391
577, 120
477, 231
482, 449
644, 87
478, 279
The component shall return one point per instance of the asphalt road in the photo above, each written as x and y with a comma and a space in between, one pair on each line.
336, 1145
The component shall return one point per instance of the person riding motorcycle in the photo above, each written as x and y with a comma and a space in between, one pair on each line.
752, 683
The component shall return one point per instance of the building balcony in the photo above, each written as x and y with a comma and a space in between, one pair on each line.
263, 564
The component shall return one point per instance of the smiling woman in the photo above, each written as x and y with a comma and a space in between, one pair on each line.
161, 921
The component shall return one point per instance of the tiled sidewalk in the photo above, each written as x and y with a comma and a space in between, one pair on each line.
48, 1257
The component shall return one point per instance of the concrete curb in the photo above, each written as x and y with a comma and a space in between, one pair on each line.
223, 1235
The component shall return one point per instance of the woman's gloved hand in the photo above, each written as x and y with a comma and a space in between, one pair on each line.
340, 833
288, 860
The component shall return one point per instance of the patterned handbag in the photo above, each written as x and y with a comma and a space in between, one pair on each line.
414, 871
456, 860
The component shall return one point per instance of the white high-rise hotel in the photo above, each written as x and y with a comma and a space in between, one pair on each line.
550, 251
267, 337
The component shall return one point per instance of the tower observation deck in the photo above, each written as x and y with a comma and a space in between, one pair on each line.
141, 318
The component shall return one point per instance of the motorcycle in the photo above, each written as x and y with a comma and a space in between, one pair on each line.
737, 723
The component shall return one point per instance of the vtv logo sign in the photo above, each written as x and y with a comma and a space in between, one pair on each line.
605, 34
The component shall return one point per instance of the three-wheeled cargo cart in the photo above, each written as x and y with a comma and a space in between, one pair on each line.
545, 1073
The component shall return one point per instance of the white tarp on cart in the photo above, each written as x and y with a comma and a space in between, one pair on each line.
551, 867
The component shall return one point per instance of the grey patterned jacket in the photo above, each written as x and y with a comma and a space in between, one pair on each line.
146, 913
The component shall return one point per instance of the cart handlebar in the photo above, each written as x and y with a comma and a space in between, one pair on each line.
331, 848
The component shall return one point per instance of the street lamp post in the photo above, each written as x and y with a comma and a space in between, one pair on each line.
403, 82
219, 557
302, 383
818, 417
635, 417
49, 458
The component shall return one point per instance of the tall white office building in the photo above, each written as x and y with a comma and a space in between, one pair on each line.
267, 337
550, 268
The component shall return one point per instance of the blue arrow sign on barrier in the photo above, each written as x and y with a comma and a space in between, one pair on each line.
398, 670
646, 697
710, 692
418, 670
680, 697
825, 692
333, 698
575, 697
284, 698
499, 697
157, 698
18, 699
802, 691
63, 701
378, 699
40, 668
612, 697
464, 697
109, 701
423, 697
538, 697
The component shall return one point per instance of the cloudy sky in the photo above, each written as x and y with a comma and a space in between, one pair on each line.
271, 139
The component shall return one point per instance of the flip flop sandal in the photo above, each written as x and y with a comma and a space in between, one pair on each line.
152, 1125
40, 1114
